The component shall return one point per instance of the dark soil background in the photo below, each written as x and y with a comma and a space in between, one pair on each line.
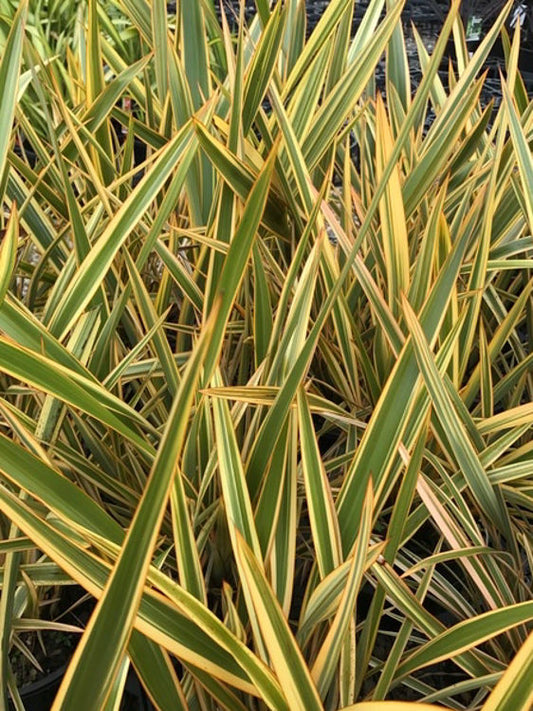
428, 16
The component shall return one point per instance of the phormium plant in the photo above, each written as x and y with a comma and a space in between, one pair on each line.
265, 359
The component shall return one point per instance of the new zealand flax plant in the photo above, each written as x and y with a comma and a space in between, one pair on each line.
265, 357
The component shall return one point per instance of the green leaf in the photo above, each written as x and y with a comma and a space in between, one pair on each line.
237, 503
393, 706
236, 260
322, 514
515, 688
163, 623
285, 655
178, 152
72, 388
523, 153
466, 635
8, 253
327, 659
262, 66
160, 34
478, 480
95, 664
9, 78
400, 388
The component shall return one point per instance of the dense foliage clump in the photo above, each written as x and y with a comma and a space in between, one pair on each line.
265, 357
